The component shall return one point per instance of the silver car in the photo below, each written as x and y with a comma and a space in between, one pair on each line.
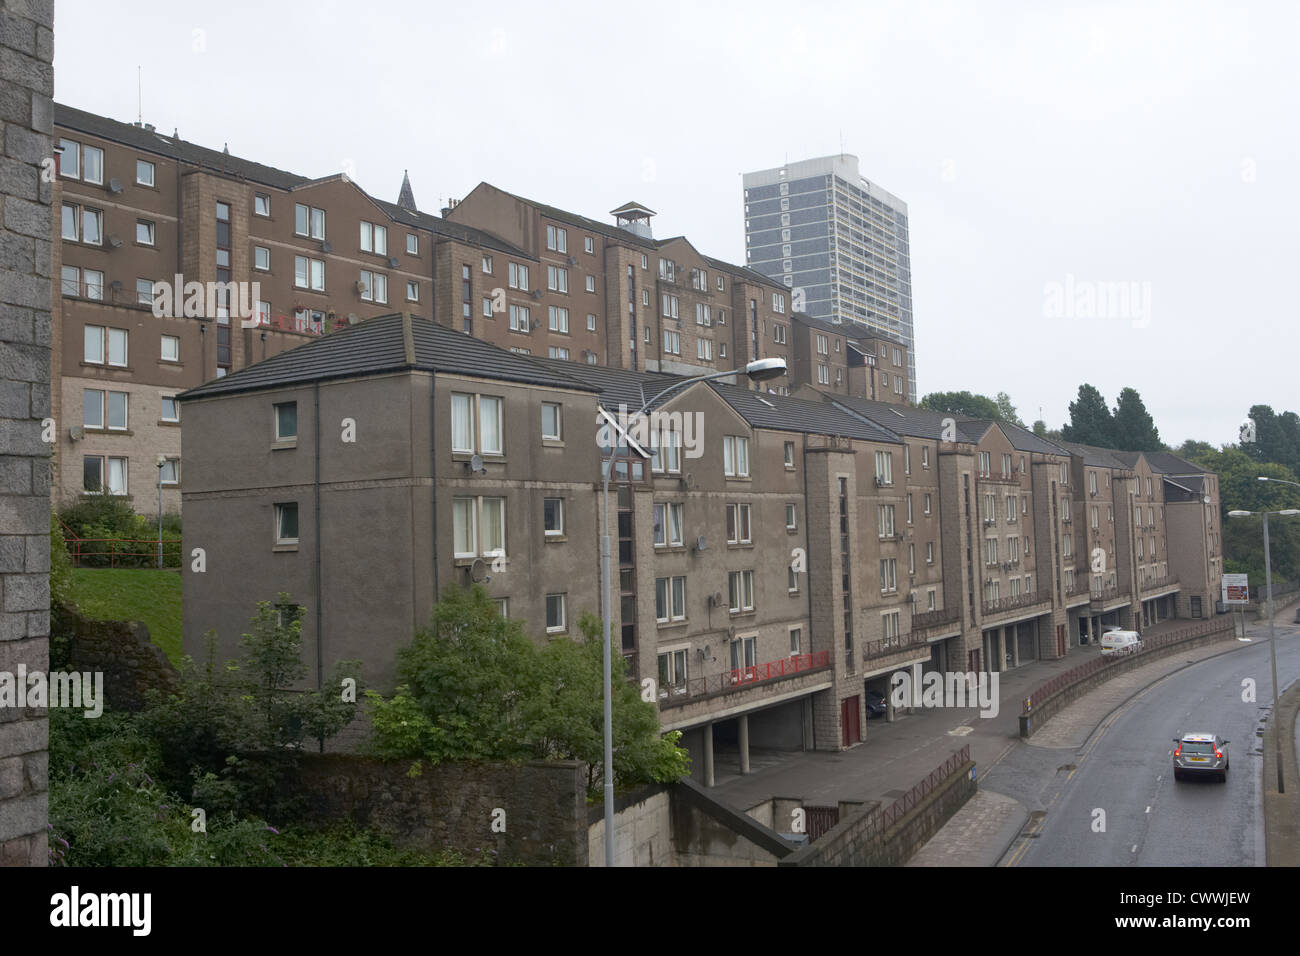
1196, 754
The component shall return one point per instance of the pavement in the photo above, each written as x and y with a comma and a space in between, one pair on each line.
895, 755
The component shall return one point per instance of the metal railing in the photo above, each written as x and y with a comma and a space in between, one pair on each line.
123, 552
741, 677
1151, 584
1075, 674
883, 819
892, 645
1027, 599
928, 619
1110, 593
303, 325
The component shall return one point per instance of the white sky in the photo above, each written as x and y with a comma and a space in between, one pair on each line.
1149, 143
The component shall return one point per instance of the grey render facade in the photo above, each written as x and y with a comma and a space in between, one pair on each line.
819, 227
774, 562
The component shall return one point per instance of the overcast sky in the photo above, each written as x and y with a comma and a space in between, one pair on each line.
1043, 150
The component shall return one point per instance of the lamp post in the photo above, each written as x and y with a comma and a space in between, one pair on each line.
758, 371
162, 462
1272, 637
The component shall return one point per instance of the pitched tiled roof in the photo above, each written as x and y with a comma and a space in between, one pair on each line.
151, 141
783, 413
1022, 439
376, 346
617, 386
1166, 463
901, 419
451, 230
1096, 457
847, 329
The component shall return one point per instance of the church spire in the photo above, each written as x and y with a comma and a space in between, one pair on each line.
406, 198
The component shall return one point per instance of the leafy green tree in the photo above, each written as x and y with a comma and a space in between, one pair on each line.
1133, 429
232, 732
1007, 411
60, 564
1090, 422
963, 405
473, 686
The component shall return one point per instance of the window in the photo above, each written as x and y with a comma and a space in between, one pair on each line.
703, 315
645, 297
286, 421
94, 344
704, 350
789, 454
666, 269
1093, 518
261, 204
98, 480
558, 319
591, 322
672, 342
171, 409
738, 530
740, 587
261, 258
823, 375
670, 599
374, 286
286, 523
92, 403
792, 579
70, 220
169, 472
778, 302
70, 160
667, 524
822, 348
144, 232
591, 283
670, 305
884, 468
518, 276
990, 551
909, 509
413, 292
1006, 466
92, 165
462, 424
94, 281
888, 575
670, 441
1012, 506
796, 633
557, 279
778, 333
929, 552
551, 421
588, 244
117, 347
735, 456
553, 517
791, 516
478, 527
985, 465
92, 226
557, 239
309, 221
519, 321
925, 456
925, 503
70, 281
374, 238
672, 671
171, 348
309, 273
885, 521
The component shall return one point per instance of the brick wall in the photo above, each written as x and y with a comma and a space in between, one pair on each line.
26, 122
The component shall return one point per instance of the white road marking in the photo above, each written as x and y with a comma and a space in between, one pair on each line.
1148, 810
1135, 848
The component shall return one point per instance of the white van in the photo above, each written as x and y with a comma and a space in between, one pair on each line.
1121, 642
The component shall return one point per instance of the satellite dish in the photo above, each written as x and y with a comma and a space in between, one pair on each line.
115, 242
115, 185
476, 464
325, 246
478, 571
1207, 500
392, 262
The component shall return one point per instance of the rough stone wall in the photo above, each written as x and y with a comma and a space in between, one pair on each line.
122, 650
26, 123
539, 808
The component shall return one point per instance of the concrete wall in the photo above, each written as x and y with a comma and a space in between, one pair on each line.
642, 830
26, 121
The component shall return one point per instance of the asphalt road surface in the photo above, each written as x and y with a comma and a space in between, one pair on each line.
1114, 802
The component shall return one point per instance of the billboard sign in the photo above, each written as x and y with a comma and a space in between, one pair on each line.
1235, 589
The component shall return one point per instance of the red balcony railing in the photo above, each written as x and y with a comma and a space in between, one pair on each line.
743, 677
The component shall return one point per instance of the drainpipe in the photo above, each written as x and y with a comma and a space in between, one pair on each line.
433, 475
320, 620
808, 588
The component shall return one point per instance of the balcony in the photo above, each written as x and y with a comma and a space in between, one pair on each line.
1028, 599
893, 645
1108, 595
301, 324
1157, 584
700, 688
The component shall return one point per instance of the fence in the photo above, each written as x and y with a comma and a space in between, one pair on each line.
882, 820
743, 676
1061, 681
123, 552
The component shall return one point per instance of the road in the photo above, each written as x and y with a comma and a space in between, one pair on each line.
1114, 802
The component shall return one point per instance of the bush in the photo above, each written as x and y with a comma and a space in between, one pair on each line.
60, 564
118, 537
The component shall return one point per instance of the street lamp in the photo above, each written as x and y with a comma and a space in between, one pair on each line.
1272, 637
162, 463
758, 371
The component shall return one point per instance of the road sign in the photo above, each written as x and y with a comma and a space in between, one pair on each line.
1235, 589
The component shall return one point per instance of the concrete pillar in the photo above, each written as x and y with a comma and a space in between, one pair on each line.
1094, 621
1015, 643
708, 755
743, 720
1002, 648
